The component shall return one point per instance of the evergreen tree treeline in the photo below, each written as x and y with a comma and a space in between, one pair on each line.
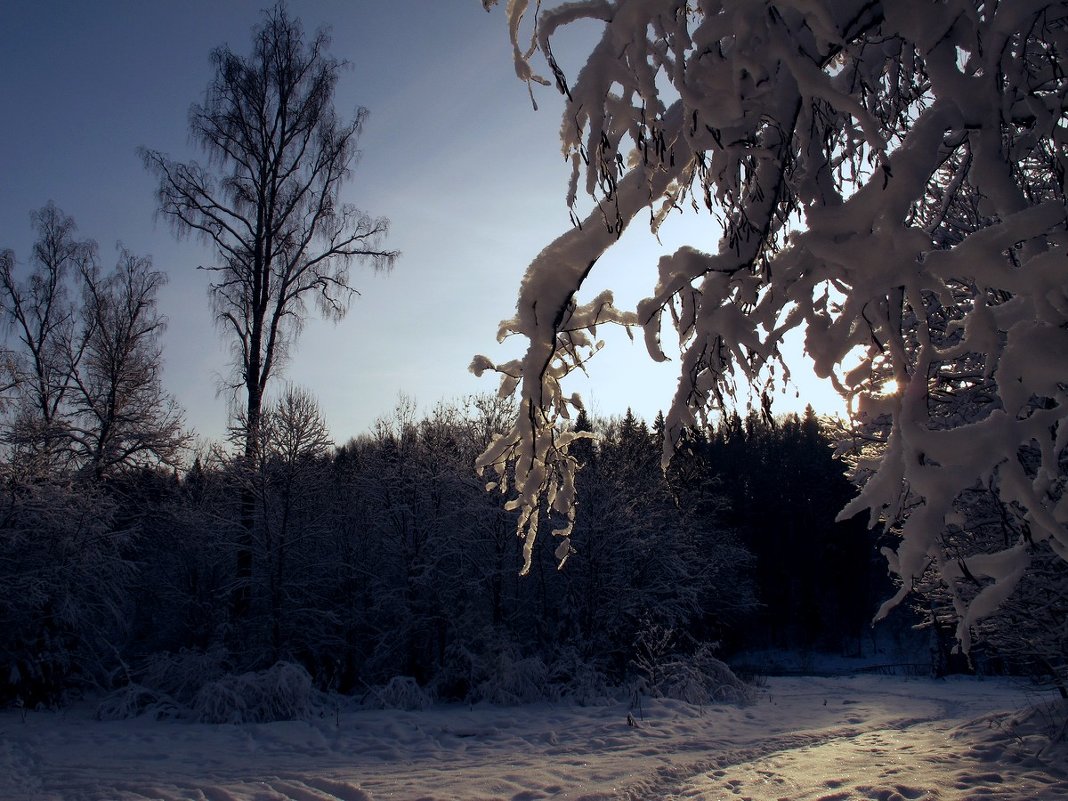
386, 557
818, 581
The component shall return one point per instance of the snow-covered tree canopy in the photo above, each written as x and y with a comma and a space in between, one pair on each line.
889, 176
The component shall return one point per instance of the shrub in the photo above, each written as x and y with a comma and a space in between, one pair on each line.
135, 700
700, 678
182, 674
282, 692
572, 678
400, 692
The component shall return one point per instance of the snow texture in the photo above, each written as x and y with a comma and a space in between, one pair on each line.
808, 739
888, 176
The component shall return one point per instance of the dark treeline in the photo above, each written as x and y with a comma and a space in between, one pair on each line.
386, 557
818, 581
126, 565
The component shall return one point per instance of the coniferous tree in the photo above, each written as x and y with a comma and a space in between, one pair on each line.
817, 581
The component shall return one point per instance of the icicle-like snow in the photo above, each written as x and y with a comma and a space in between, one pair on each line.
884, 174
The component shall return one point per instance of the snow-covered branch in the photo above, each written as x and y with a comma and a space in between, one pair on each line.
889, 175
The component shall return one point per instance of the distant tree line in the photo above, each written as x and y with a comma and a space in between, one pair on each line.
383, 557
818, 581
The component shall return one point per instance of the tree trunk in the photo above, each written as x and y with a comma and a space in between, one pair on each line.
241, 599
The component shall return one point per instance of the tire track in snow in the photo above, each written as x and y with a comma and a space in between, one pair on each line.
668, 783
938, 757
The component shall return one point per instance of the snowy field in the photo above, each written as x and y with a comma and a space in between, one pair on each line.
805, 739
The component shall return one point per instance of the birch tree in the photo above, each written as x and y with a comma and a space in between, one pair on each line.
269, 203
42, 317
120, 414
85, 362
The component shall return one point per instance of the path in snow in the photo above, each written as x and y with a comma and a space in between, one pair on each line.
938, 760
806, 739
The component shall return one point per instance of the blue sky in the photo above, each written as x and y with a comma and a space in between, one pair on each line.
469, 174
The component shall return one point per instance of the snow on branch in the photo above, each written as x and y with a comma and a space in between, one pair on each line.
888, 175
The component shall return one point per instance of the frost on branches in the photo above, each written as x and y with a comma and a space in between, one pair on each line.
889, 176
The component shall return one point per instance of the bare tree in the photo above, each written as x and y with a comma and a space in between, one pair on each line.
8, 357
289, 484
42, 317
86, 376
296, 430
120, 414
87, 401
271, 206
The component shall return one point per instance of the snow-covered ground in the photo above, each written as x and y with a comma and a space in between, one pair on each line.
805, 739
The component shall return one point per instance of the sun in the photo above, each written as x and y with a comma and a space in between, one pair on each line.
889, 387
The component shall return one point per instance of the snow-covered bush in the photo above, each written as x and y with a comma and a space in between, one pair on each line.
494, 669
400, 692
700, 678
694, 675
194, 685
888, 176
282, 692
167, 685
182, 674
511, 680
575, 679
135, 700
1039, 730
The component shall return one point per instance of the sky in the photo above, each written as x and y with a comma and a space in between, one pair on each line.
469, 174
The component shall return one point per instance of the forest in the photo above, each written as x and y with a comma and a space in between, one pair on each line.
385, 563
236, 580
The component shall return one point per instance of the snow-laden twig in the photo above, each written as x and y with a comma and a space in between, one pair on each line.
889, 175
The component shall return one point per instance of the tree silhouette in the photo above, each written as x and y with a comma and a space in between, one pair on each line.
269, 202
